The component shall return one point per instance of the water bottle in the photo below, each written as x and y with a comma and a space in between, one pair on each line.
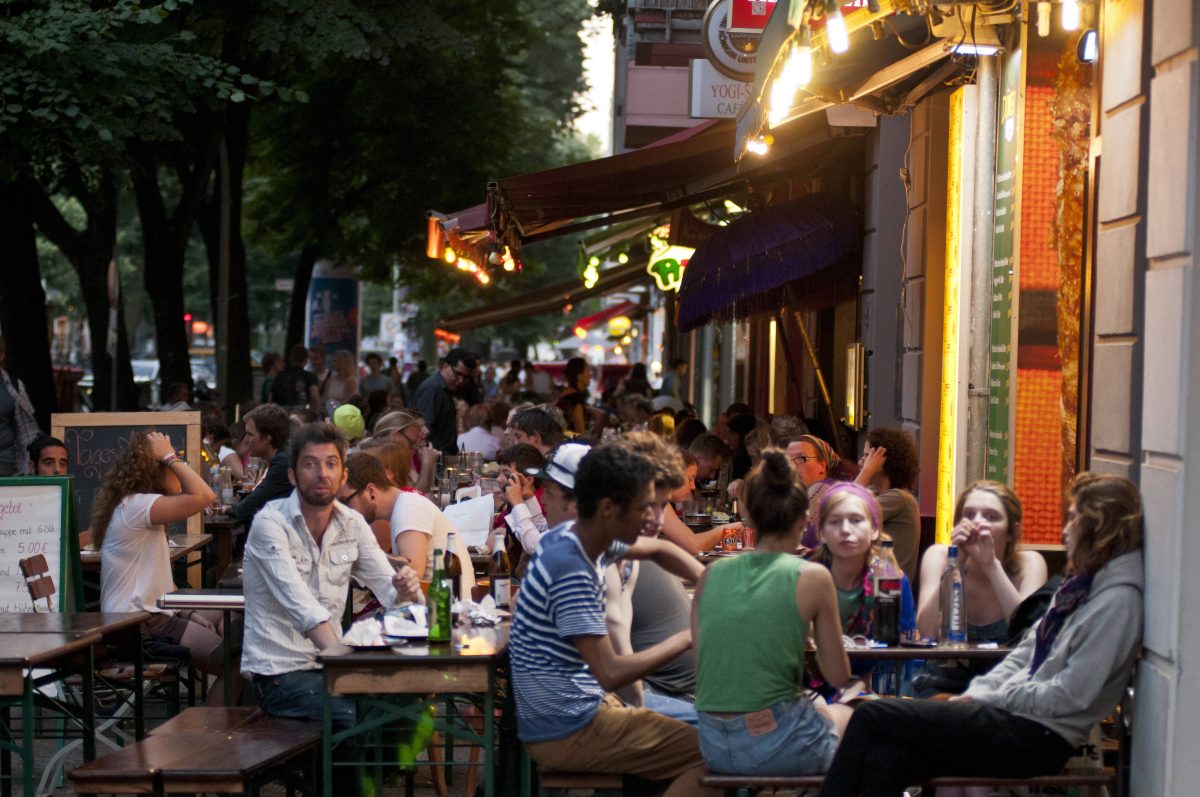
953, 629
887, 577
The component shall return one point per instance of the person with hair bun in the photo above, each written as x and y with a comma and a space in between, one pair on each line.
1026, 716
751, 616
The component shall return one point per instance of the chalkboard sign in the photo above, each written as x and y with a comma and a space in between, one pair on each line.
95, 440
36, 518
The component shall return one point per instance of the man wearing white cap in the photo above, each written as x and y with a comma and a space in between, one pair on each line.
526, 520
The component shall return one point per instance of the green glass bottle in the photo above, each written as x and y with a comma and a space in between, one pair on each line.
438, 602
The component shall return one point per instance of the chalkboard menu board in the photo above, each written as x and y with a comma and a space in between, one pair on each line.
35, 518
95, 440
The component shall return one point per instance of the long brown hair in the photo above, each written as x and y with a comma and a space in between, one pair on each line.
135, 471
1109, 511
395, 455
1010, 558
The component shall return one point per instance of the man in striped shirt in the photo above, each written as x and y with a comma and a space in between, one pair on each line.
563, 662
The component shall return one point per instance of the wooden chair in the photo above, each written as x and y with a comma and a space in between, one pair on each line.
38, 581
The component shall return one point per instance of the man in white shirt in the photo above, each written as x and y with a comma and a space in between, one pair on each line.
369, 492
479, 438
300, 555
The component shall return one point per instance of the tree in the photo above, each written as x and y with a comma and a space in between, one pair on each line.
80, 79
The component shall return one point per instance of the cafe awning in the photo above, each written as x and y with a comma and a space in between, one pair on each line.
768, 259
693, 166
550, 299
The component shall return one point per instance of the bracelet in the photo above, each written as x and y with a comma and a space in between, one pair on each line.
169, 458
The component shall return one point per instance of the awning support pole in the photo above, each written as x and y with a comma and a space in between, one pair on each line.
834, 425
793, 367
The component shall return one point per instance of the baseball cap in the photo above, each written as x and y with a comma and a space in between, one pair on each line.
562, 464
348, 418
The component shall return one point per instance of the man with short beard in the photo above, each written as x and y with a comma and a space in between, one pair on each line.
300, 555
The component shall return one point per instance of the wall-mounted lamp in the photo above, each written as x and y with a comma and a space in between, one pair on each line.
1088, 48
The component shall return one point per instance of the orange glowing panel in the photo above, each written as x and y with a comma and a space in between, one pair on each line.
1038, 457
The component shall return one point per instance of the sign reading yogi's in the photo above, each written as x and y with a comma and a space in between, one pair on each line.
712, 95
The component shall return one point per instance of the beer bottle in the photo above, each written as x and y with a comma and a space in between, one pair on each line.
452, 568
500, 572
438, 602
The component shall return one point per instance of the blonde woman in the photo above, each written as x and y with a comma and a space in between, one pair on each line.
342, 382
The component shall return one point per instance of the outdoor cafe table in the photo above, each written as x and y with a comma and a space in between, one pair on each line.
115, 629
182, 546
224, 528
470, 666
227, 601
61, 653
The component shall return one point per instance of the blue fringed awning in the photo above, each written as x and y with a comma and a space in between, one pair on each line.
746, 267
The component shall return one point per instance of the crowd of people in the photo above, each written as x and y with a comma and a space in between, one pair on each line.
615, 667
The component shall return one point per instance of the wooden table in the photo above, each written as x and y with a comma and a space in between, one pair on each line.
227, 601
181, 546
905, 653
469, 666
121, 630
224, 528
61, 653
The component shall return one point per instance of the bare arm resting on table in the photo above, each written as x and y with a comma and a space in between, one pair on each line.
613, 671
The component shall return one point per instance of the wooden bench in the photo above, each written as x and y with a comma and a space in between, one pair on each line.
214, 750
745, 785
566, 781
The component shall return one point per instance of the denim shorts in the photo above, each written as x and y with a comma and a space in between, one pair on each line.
802, 742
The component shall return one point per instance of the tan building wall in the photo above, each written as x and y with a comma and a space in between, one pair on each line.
1146, 346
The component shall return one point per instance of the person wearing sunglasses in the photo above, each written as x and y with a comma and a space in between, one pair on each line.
814, 461
435, 398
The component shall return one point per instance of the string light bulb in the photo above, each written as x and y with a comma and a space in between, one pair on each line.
1043, 19
759, 146
835, 28
1070, 15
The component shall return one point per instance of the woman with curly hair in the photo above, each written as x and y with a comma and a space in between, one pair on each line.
147, 490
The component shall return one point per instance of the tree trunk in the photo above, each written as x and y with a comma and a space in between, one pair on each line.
89, 253
164, 240
240, 387
23, 302
297, 313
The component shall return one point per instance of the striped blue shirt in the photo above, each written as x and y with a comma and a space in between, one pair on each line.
562, 597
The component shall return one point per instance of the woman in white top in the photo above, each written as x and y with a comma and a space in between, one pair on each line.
148, 489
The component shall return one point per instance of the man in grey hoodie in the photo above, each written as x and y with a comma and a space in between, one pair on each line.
1026, 716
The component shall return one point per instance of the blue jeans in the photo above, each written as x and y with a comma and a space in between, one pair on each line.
802, 741
300, 695
671, 706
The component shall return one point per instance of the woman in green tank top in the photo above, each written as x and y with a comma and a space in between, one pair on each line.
750, 624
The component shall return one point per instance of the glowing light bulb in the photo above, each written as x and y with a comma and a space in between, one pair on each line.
1070, 15
1043, 19
622, 258
759, 146
449, 256
835, 30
